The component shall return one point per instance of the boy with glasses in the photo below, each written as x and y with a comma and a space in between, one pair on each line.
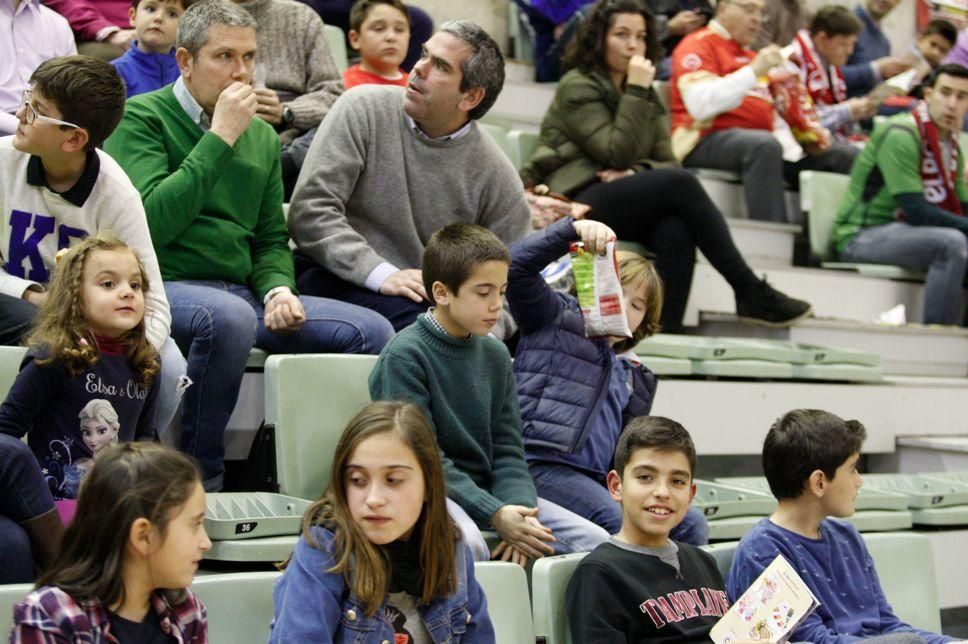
56, 188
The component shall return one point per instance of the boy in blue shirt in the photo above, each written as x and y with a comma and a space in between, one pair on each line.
447, 363
149, 63
810, 461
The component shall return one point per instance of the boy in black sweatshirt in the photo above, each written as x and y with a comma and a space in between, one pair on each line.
640, 585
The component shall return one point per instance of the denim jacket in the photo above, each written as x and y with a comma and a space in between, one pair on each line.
312, 605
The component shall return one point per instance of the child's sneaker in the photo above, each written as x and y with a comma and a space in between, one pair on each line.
765, 305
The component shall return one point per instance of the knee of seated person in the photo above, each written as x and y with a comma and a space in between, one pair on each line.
16, 454
953, 244
232, 319
16, 559
763, 145
477, 544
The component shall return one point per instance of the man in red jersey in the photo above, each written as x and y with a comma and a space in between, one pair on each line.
723, 115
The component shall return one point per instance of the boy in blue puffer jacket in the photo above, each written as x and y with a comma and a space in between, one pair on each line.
577, 393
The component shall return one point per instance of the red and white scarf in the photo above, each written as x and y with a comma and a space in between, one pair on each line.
826, 86
939, 183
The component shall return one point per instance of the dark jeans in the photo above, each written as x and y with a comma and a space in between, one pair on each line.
668, 211
16, 316
400, 311
337, 13
24, 495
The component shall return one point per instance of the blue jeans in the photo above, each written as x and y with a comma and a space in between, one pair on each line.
572, 533
173, 366
590, 499
216, 324
942, 252
24, 495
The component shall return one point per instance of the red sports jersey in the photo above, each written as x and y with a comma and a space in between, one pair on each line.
706, 51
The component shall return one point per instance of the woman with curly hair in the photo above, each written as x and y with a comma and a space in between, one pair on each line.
604, 142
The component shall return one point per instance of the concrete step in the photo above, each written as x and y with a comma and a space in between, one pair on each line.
834, 294
726, 191
524, 103
762, 243
912, 349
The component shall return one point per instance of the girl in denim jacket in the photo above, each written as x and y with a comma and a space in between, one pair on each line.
379, 559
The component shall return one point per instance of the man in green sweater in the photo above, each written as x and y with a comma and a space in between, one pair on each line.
907, 199
448, 364
208, 173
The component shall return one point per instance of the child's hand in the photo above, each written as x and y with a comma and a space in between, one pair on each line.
595, 234
284, 313
520, 527
507, 552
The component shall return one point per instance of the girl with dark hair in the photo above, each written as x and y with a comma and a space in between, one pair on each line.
379, 558
123, 571
604, 143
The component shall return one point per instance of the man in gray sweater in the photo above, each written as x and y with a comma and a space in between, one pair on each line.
390, 166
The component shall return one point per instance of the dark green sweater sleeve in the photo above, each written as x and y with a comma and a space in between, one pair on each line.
272, 263
172, 198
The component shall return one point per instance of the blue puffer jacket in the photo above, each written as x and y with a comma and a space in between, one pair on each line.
562, 376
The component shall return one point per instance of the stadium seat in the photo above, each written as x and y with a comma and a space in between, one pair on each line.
337, 46
499, 134
905, 566
549, 581
10, 359
723, 554
309, 399
506, 588
521, 146
10, 595
821, 194
239, 605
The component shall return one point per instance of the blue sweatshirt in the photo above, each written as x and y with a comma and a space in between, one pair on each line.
840, 573
143, 72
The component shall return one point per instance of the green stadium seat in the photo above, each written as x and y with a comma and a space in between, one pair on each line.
506, 587
549, 581
262, 549
310, 399
10, 359
10, 595
821, 194
723, 554
500, 136
522, 146
239, 605
905, 566
720, 500
337, 46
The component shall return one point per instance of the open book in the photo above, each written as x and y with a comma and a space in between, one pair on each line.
770, 609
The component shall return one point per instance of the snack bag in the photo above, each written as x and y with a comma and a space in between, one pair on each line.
794, 105
599, 292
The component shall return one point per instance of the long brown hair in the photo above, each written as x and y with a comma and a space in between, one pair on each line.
365, 566
127, 482
62, 330
587, 49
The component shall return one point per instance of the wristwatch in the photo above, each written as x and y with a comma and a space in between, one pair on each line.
287, 116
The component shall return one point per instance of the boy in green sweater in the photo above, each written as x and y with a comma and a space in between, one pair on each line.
208, 173
446, 363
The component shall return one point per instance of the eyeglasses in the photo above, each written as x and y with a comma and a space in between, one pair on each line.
749, 9
31, 115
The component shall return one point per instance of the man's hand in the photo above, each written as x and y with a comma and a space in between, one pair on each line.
862, 108
766, 59
284, 314
35, 297
122, 38
685, 22
611, 174
641, 71
405, 283
234, 110
520, 528
891, 66
595, 234
269, 108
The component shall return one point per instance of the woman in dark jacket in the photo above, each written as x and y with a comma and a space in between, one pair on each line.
604, 142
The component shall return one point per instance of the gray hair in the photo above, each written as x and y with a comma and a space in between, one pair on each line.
483, 68
200, 17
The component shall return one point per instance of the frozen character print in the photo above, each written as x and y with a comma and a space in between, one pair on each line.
99, 425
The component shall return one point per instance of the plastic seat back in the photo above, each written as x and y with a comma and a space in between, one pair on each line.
506, 587
10, 595
905, 566
239, 605
821, 194
336, 40
549, 581
310, 399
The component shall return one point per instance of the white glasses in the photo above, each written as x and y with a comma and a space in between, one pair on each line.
31, 115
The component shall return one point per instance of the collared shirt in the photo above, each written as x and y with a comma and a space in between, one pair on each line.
49, 612
28, 36
194, 110
447, 137
437, 325
80, 191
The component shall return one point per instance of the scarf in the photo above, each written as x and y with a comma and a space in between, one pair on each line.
405, 572
939, 185
825, 86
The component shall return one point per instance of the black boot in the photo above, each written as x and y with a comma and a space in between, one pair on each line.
765, 305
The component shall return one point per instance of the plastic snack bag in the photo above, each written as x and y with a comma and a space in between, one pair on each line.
600, 292
794, 104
